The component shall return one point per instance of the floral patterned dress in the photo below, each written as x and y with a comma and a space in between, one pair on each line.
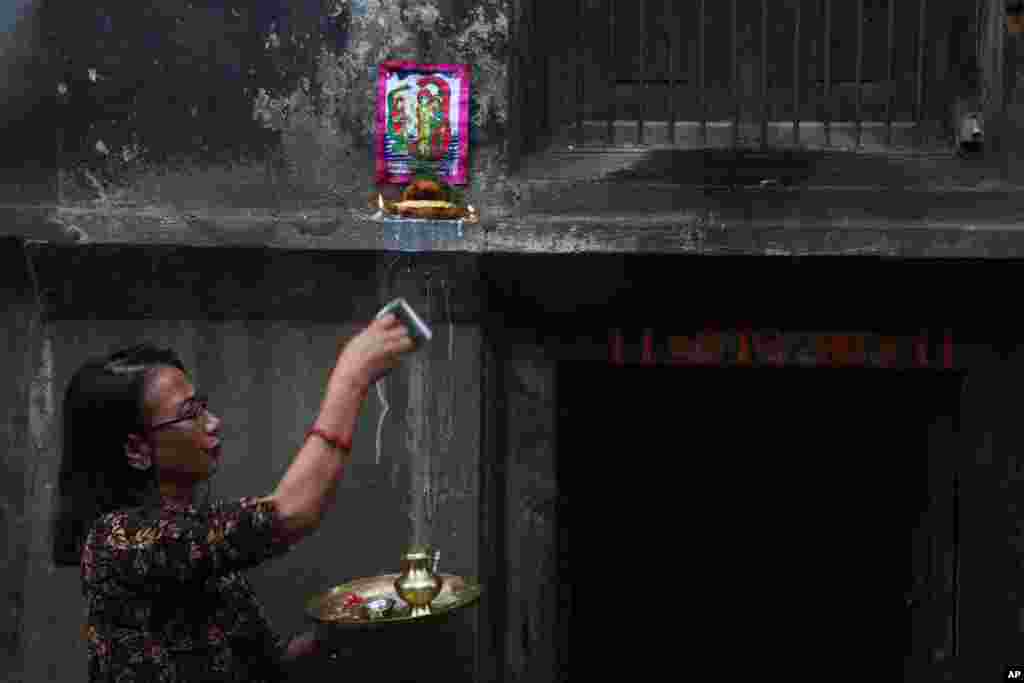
166, 600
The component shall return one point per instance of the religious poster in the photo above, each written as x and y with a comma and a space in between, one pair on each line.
422, 122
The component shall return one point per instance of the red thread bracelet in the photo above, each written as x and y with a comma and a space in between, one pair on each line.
333, 439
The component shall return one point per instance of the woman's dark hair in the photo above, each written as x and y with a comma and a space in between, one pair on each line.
103, 404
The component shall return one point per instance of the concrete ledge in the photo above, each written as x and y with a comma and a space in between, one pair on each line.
899, 223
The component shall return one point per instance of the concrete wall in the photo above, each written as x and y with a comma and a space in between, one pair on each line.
531, 633
208, 104
17, 452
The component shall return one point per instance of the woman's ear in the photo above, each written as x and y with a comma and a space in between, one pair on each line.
139, 453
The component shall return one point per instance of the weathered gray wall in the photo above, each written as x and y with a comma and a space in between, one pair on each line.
16, 452
525, 532
531, 521
257, 106
991, 606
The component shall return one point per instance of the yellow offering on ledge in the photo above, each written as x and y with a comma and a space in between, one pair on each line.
430, 209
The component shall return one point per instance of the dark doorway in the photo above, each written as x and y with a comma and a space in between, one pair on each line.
767, 513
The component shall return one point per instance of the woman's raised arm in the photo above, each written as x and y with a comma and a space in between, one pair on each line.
307, 490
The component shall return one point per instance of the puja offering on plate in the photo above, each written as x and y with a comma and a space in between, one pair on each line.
418, 593
352, 607
429, 200
349, 607
424, 189
380, 607
351, 601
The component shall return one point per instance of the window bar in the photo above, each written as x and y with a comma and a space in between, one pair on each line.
764, 74
610, 133
580, 11
541, 118
524, 88
735, 77
919, 84
828, 73
544, 108
700, 87
860, 74
796, 77
542, 65
891, 73
644, 79
670, 46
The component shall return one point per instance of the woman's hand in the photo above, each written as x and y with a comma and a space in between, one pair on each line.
302, 646
375, 351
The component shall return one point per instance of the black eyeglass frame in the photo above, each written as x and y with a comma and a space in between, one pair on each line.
201, 404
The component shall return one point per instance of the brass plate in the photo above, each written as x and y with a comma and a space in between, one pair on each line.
456, 593
427, 210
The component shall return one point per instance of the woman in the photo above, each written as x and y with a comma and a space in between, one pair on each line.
161, 574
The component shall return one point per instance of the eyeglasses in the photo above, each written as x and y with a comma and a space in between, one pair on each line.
191, 409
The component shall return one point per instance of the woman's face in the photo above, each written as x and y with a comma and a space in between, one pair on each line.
188, 451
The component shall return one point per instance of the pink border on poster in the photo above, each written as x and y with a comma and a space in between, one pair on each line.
460, 71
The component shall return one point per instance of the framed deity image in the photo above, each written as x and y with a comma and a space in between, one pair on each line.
422, 122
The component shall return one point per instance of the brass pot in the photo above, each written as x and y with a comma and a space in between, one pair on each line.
417, 584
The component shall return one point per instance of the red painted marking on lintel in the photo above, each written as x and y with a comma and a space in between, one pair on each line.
615, 347
921, 350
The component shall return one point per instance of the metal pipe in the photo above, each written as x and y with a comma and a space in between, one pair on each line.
891, 75
645, 38
796, 78
610, 133
671, 89
860, 65
580, 11
700, 88
828, 73
764, 73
